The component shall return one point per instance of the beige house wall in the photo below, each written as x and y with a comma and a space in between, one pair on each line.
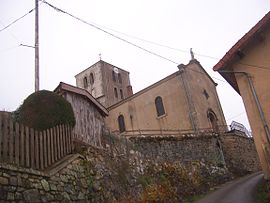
140, 113
258, 60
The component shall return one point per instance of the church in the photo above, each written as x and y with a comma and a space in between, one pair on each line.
185, 101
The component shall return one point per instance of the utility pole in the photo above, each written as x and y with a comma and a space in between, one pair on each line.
36, 49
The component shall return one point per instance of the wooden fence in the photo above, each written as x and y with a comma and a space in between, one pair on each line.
30, 148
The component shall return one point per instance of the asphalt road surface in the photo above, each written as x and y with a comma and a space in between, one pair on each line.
242, 190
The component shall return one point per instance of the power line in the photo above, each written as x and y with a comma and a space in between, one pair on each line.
9, 48
11, 34
97, 26
240, 114
13, 22
111, 34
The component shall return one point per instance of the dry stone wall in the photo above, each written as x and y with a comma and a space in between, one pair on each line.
184, 149
145, 169
240, 154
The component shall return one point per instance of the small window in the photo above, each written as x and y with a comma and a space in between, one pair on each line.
85, 83
91, 78
121, 123
206, 94
159, 106
115, 92
113, 76
121, 94
119, 78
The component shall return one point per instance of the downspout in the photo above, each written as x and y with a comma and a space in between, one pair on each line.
188, 96
258, 105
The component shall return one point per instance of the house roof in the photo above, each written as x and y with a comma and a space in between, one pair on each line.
100, 61
231, 55
69, 88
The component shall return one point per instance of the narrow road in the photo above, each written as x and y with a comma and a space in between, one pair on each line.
242, 190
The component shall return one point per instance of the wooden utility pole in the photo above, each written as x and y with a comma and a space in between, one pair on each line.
36, 49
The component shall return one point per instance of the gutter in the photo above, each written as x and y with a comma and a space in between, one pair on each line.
258, 105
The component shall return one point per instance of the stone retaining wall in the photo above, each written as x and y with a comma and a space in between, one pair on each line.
24, 185
240, 154
184, 149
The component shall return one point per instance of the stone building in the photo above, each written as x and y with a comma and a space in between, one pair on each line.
89, 113
105, 82
246, 67
185, 100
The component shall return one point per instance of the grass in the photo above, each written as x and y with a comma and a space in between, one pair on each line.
194, 198
263, 192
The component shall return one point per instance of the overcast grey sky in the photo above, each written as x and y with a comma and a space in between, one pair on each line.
68, 46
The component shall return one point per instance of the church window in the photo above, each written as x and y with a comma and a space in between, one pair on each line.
206, 94
121, 123
85, 83
113, 76
213, 119
121, 94
91, 78
115, 92
159, 106
119, 78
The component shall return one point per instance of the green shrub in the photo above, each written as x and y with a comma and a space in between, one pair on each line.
45, 109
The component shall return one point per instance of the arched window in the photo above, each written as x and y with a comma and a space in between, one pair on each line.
121, 94
213, 119
113, 76
91, 78
159, 106
119, 78
85, 83
121, 123
115, 92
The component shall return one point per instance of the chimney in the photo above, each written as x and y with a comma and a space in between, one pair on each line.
129, 90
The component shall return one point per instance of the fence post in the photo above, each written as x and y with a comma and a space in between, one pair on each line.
41, 154
32, 147
68, 139
27, 145
52, 144
45, 155
36, 149
55, 144
22, 144
11, 139
63, 139
60, 140
1, 136
49, 143
17, 143
5, 138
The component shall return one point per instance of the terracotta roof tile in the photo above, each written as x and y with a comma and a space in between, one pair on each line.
243, 42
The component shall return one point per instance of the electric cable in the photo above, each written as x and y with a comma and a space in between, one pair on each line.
13, 22
111, 34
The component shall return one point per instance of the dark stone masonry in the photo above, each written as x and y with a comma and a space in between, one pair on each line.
145, 169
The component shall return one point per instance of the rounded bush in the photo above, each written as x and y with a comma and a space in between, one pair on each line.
45, 109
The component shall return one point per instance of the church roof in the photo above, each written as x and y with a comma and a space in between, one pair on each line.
69, 88
231, 55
